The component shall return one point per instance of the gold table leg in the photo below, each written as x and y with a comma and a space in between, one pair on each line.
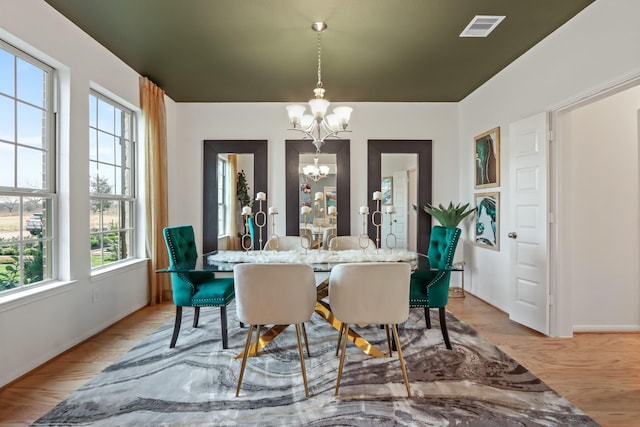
264, 340
322, 308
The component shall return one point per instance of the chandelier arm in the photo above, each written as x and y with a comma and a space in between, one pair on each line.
333, 134
309, 134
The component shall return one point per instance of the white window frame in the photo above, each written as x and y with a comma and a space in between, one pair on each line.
23, 194
223, 195
130, 228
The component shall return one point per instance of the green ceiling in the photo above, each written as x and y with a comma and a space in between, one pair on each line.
265, 50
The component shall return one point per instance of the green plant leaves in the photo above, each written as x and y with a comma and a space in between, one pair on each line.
451, 215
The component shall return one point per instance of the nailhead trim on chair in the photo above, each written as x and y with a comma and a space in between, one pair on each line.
173, 262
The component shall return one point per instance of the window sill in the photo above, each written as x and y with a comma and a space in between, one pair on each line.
117, 268
34, 293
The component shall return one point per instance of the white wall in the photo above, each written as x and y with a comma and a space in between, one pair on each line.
43, 322
593, 51
197, 122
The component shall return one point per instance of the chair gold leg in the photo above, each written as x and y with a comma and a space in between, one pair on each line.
304, 371
339, 338
344, 351
306, 340
386, 328
258, 339
244, 359
404, 368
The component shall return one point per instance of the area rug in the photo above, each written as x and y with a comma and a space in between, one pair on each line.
194, 384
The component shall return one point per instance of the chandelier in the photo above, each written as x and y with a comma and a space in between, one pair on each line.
315, 172
319, 125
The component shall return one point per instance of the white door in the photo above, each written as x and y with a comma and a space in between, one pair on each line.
528, 143
401, 203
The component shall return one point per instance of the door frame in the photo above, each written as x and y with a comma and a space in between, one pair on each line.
560, 316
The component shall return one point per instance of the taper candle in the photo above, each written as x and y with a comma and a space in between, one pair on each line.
364, 209
377, 195
261, 196
246, 210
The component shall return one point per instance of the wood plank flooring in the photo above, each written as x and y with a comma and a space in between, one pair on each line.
600, 373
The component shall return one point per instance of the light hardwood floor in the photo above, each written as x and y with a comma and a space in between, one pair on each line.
600, 373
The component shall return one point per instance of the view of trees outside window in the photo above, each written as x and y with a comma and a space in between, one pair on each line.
222, 195
27, 186
111, 185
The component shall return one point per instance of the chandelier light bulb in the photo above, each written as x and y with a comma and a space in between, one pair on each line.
296, 113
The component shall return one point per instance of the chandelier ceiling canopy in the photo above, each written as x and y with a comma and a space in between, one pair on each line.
318, 126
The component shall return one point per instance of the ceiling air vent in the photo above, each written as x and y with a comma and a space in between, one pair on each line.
481, 26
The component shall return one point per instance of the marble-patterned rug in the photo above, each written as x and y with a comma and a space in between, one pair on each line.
194, 384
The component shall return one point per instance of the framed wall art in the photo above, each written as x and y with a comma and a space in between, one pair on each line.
487, 159
386, 187
488, 220
330, 196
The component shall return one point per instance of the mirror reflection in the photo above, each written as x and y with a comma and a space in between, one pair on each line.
235, 191
399, 186
221, 209
302, 188
418, 186
318, 192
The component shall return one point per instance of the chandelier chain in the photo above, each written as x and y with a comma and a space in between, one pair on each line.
319, 84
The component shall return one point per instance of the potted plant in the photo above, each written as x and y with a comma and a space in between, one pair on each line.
244, 199
449, 216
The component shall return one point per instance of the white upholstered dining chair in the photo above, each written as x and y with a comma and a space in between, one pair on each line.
274, 294
370, 293
343, 243
287, 243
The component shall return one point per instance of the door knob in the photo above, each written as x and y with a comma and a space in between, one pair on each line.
512, 235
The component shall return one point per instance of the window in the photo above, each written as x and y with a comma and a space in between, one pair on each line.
223, 190
27, 170
112, 130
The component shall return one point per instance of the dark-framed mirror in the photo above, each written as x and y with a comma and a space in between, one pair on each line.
213, 148
423, 148
339, 147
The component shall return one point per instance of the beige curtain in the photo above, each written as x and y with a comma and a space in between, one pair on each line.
232, 227
155, 149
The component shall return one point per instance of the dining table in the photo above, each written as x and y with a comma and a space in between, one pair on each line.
322, 261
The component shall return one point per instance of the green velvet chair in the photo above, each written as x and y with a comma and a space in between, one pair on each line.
191, 287
430, 287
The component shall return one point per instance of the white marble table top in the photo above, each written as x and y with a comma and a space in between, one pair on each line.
313, 256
